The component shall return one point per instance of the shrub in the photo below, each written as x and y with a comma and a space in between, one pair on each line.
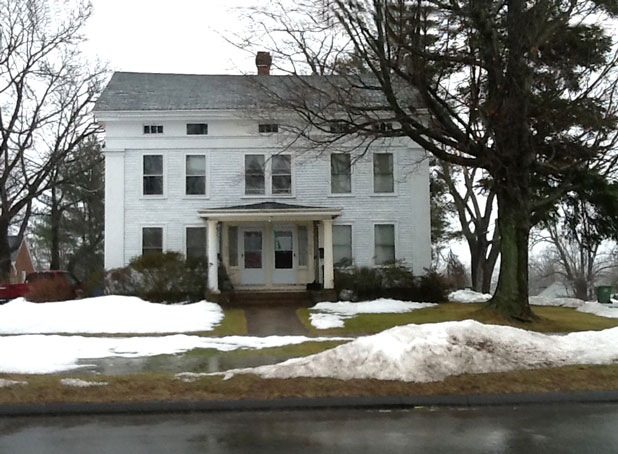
46, 290
160, 277
394, 281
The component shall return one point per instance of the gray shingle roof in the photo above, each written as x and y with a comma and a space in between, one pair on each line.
129, 91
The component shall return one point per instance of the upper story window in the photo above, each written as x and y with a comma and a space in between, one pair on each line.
282, 174
339, 127
254, 174
340, 173
152, 240
197, 129
383, 127
153, 129
152, 175
384, 239
195, 175
383, 180
268, 127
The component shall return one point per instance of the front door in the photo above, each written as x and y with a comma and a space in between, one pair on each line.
283, 256
252, 257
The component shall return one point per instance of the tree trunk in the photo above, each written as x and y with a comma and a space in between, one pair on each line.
55, 215
5, 252
482, 264
511, 297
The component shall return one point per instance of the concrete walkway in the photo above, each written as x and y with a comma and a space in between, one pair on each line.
273, 320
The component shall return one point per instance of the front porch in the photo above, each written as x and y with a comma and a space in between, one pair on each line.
271, 246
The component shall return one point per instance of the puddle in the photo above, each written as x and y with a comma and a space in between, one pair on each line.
172, 363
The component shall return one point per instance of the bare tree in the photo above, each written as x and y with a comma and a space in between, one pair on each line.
524, 91
46, 94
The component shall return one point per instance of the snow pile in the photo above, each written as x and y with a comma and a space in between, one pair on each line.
40, 354
4, 383
107, 314
432, 352
468, 296
602, 310
332, 315
561, 302
77, 383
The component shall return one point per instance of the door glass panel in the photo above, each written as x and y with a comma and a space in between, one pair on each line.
253, 250
283, 250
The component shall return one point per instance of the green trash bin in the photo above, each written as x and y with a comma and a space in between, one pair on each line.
604, 294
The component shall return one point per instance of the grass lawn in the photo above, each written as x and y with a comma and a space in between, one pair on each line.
551, 319
163, 386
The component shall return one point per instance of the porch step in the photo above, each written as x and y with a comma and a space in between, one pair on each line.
270, 298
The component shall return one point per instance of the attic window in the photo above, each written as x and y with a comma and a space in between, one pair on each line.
270, 127
153, 129
339, 127
197, 129
383, 127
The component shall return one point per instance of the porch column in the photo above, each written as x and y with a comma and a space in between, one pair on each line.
213, 261
329, 273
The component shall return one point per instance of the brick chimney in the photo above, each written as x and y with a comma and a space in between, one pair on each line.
263, 61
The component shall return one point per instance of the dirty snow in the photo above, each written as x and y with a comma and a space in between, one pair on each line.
468, 296
432, 352
77, 383
603, 310
107, 314
560, 302
4, 383
41, 354
332, 315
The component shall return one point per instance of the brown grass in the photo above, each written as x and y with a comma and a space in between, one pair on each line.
163, 386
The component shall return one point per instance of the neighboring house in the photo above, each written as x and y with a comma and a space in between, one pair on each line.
191, 167
21, 262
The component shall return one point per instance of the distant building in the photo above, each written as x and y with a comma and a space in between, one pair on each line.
21, 261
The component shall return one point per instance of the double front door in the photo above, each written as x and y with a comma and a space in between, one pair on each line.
276, 253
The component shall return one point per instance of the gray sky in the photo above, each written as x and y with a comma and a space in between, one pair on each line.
180, 36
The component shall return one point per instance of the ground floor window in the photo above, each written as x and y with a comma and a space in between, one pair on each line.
384, 244
152, 240
342, 245
196, 242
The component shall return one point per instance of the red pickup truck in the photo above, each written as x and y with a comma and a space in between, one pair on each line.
11, 291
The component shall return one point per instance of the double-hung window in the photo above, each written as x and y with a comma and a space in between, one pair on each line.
340, 173
383, 180
152, 175
254, 174
281, 174
195, 171
342, 245
152, 240
196, 242
384, 236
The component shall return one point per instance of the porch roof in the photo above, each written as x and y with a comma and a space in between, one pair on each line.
270, 211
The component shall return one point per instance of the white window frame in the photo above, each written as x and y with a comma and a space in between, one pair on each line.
330, 177
352, 250
141, 167
163, 227
150, 125
194, 226
206, 194
373, 179
268, 181
373, 240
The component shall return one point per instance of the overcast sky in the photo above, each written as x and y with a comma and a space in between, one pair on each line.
179, 36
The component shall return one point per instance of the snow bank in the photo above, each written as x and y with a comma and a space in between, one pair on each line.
107, 314
468, 296
77, 383
41, 354
560, 302
6, 383
602, 310
332, 315
432, 352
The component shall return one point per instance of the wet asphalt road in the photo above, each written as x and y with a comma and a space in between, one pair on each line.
564, 428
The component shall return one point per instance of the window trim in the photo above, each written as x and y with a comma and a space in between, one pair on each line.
373, 176
272, 175
268, 176
185, 237
352, 244
150, 125
330, 177
244, 174
163, 228
373, 240
164, 175
206, 194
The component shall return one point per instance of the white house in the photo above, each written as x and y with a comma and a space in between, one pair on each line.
191, 167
